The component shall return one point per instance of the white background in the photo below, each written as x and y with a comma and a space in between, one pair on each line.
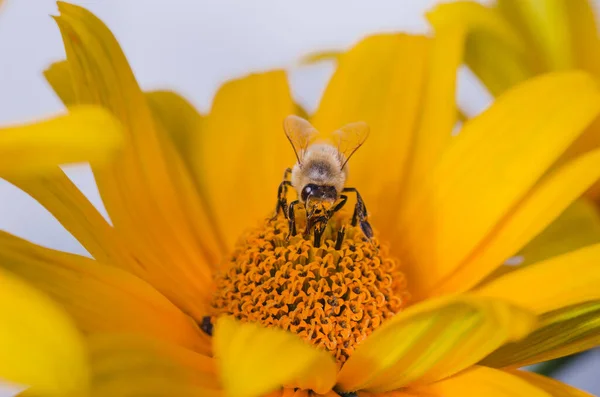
192, 46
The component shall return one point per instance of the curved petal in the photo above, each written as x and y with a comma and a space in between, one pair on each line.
577, 227
494, 49
100, 298
431, 341
380, 81
562, 332
140, 191
494, 162
241, 153
86, 133
39, 344
533, 213
125, 365
564, 280
482, 381
254, 360
549, 385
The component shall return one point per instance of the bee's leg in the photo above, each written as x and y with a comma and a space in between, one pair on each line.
360, 213
282, 194
340, 238
338, 206
292, 218
319, 229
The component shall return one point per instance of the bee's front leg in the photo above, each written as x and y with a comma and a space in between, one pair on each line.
292, 218
282, 195
360, 214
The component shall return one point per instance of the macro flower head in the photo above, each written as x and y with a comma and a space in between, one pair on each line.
198, 287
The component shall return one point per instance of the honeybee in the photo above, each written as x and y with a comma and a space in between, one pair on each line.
320, 174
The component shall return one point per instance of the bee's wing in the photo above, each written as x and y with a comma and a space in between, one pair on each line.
349, 138
300, 134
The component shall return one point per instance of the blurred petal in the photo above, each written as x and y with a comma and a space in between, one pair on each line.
482, 381
255, 360
87, 133
494, 162
494, 50
431, 341
562, 332
241, 153
565, 280
39, 345
534, 212
100, 298
146, 181
577, 227
584, 34
379, 81
129, 366
550, 386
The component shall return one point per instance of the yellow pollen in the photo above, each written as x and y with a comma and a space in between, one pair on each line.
331, 298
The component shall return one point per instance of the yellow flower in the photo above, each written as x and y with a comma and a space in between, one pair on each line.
410, 313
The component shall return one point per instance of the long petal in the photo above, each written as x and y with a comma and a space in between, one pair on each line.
565, 280
562, 332
86, 133
577, 227
494, 49
254, 360
379, 81
140, 191
241, 153
482, 381
549, 385
494, 162
39, 344
431, 341
124, 365
533, 213
100, 298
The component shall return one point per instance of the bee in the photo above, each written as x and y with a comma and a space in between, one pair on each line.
319, 176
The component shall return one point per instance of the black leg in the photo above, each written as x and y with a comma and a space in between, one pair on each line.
318, 233
340, 238
282, 194
338, 206
360, 213
292, 218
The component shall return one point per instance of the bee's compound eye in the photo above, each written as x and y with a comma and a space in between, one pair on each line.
308, 189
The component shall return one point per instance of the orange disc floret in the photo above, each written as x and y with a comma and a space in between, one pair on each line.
331, 298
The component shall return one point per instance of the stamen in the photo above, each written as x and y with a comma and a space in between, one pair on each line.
333, 290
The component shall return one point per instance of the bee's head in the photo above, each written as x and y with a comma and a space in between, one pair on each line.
318, 193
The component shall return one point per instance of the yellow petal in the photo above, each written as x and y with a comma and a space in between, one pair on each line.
545, 26
578, 226
39, 344
379, 81
562, 332
100, 297
565, 280
438, 108
59, 77
142, 190
584, 34
254, 360
482, 381
59, 195
550, 386
431, 341
241, 154
494, 162
494, 50
87, 133
127, 366
534, 212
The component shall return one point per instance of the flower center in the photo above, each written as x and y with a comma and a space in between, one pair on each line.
333, 298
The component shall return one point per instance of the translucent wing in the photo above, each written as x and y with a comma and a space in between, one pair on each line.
300, 134
349, 138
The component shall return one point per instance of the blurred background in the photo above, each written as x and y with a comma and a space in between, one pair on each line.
193, 46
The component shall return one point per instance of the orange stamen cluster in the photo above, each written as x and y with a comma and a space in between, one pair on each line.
331, 298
